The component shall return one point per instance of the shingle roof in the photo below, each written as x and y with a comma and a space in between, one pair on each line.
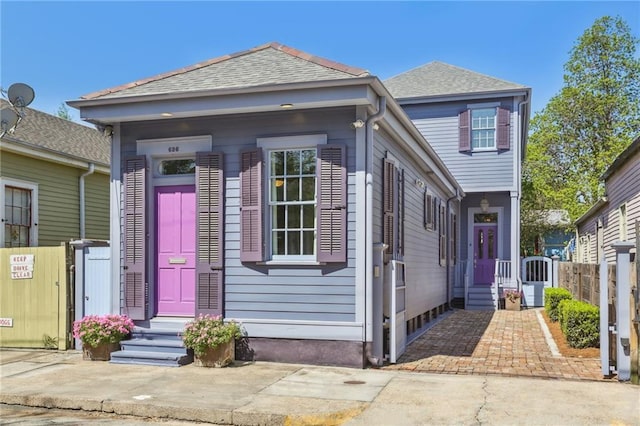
41, 130
437, 78
271, 63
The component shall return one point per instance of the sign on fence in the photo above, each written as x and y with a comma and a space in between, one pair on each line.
21, 266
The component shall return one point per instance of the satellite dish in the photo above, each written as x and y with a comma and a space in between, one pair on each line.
8, 119
20, 95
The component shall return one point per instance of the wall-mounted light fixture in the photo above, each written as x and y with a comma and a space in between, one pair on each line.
484, 204
420, 183
357, 124
19, 96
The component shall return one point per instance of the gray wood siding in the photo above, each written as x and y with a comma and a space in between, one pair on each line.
59, 199
475, 171
425, 278
623, 187
253, 291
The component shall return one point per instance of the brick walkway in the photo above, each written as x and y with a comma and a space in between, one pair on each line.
503, 342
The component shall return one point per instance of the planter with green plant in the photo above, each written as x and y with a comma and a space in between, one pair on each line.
212, 340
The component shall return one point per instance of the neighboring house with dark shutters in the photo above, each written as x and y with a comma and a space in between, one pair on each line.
282, 190
478, 126
44, 164
613, 217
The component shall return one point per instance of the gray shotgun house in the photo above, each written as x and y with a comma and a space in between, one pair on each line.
478, 126
613, 217
282, 190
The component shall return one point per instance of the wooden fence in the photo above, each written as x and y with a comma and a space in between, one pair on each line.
35, 300
583, 281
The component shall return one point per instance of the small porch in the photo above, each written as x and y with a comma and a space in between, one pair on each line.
536, 274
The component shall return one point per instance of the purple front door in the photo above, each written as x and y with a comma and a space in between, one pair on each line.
176, 250
485, 249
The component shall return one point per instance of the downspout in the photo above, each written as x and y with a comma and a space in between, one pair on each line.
521, 135
92, 168
375, 331
448, 243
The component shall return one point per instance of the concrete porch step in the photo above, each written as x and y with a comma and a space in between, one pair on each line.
153, 345
165, 359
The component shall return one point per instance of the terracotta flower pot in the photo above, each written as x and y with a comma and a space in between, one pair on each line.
220, 356
101, 352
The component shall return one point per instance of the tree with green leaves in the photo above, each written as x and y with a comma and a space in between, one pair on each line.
584, 127
63, 112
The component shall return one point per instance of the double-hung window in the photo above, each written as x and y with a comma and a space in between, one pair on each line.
483, 128
292, 203
303, 215
19, 219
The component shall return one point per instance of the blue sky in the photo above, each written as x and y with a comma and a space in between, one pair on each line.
67, 49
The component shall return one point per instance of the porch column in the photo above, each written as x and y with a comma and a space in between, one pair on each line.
515, 237
115, 191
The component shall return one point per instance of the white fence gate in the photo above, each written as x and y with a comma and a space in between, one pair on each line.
537, 274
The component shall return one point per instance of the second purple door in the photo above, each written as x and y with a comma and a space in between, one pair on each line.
485, 251
176, 250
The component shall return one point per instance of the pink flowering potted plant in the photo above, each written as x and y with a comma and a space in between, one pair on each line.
212, 340
101, 334
512, 299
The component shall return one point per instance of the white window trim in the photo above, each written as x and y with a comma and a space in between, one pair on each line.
279, 143
495, 106
33, 187
622, 222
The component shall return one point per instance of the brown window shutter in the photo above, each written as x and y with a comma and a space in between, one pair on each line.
251, 233
136, 290
464, 141
210, 232
388, 188
503, 130
331, 181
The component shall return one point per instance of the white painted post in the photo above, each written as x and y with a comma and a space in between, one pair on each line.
623, 314
555, 268
604, 320
378, 301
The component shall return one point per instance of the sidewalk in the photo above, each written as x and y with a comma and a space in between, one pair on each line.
276, 394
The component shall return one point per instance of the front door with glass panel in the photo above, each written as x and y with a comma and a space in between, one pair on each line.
485, 247
176, 250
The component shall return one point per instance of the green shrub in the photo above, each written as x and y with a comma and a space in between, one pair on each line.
580, 323
552, 297
562, 314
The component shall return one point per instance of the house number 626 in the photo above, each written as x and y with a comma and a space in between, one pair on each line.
174, 148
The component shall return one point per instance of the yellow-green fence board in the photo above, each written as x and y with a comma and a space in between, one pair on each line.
37, 306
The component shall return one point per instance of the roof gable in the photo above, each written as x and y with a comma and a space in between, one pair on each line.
269, 64
437, 79
47, 132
